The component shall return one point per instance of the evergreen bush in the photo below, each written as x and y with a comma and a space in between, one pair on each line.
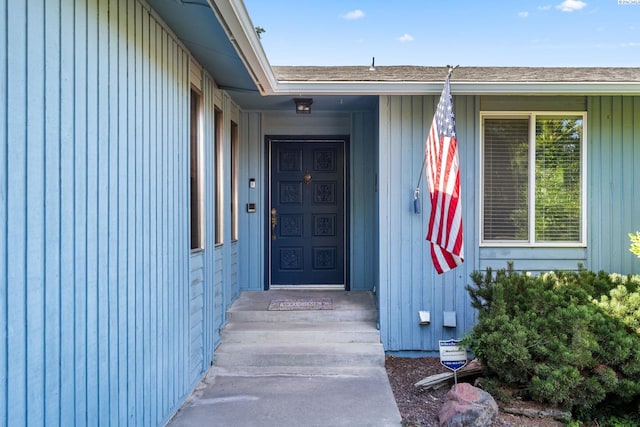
568, 338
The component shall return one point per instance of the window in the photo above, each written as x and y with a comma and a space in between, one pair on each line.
219, 176
533, 179
195, 175
234, 181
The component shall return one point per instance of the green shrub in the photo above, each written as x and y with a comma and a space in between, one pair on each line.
569, 338
623, 305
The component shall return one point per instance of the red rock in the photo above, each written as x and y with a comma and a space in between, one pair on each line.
468, 406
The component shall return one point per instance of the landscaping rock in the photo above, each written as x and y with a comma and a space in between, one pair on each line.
468, 406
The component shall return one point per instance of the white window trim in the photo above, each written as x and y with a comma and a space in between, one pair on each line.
583, 180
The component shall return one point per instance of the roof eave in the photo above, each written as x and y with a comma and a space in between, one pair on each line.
457, 88
234, 18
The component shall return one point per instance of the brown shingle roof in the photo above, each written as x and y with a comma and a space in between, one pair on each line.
461, 74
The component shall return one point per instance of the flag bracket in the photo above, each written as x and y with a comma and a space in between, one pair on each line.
416, 193
416, 200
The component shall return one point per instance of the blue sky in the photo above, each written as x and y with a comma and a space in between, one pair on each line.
437, 32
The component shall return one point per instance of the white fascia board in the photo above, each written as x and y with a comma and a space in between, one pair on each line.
475, 88
235, 19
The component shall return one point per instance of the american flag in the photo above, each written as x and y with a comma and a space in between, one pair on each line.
443, 176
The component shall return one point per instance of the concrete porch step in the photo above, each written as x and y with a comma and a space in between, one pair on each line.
344, 336
314, 316
293, 368
297, 355
300, 332
347, 306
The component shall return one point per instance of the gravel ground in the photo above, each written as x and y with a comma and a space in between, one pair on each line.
419, 408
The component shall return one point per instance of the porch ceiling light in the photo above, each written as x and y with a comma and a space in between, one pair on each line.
303, 105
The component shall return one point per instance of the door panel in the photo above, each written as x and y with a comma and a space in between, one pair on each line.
307, 212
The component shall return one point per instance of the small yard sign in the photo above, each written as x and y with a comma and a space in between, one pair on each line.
452, 355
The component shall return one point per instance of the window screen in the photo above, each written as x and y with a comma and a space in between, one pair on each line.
557, 200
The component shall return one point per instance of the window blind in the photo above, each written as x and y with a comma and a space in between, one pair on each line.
506, 188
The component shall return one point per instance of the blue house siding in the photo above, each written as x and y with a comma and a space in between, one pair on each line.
105, 315
196, 313
252, 225
362, 202
212, 308
614, 182
229, 250
222, 264
4, 107
534, 260
408, 282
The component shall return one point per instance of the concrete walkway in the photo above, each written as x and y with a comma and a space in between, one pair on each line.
296, 368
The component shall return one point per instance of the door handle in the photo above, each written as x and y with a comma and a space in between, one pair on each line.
274, 222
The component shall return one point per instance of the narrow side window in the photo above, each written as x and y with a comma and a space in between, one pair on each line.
234, 181
219, 177
196, 171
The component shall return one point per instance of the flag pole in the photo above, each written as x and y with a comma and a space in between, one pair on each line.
416, 193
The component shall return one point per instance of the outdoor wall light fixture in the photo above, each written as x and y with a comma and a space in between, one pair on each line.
303, 105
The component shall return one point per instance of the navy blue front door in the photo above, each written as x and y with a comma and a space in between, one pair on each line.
307, 212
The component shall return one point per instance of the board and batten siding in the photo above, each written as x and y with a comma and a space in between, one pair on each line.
251, 225
95, 310
197, 279
613, 182
363, 158
211, 291
222, 258
229, 252
408, 281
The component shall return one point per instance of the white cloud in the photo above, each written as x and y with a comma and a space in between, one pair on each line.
405, 38
523, 14
571, 5
542, 40
353, 15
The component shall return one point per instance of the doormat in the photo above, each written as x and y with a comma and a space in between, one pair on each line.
291, 304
